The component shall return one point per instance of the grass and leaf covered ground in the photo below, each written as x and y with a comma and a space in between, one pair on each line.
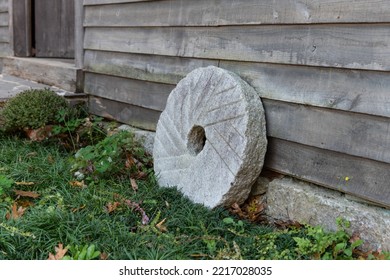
116, 210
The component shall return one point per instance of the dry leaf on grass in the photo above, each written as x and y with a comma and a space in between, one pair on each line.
78, 184
60, 252
26, 194
134, 184
16, 212
112, 206
161, 227
24, 183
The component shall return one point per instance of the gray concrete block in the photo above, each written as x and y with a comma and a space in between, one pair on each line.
290, 199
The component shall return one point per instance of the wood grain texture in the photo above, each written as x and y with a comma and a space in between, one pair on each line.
341, 46
349, 90
4, 6
102, 2
133, 115
368, 179
54, 28
5, 49
163, 69
4, 34
22, 28
49, 72
4, 19
358, 91
140, 93
350, 133
233, 12
79, 33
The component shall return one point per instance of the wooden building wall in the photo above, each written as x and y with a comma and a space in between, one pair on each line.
5, 38
320, 66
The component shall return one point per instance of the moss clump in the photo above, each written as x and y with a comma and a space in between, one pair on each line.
32, 109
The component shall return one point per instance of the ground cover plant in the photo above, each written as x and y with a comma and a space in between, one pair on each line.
121, 213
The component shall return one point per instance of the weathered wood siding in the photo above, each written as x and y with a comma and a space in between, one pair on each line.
322, 68
5, 35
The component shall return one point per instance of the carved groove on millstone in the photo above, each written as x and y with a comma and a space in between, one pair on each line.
211, 139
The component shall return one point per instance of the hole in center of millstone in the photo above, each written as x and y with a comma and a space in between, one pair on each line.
196, 140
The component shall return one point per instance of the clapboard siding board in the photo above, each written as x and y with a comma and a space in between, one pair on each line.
4, 5
4, 18
233, 12
342, 46
350, 133
140, 93
124, 112
367, 179
102, 2
163, 69
358, 91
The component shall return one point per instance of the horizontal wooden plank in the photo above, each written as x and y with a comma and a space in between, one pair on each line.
233, 12
350, 133
140, 93
4, 19
4, 34
344, 46
102, 2
350, 90
4, 5
163, 69
133, 115
358, 91
367, 179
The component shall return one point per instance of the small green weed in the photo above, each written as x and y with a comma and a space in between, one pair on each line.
109, 157
76, 129
327, 245
86, 252
5, 185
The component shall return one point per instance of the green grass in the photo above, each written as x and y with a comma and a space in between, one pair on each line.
77, 216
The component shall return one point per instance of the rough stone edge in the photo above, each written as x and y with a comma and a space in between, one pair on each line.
306, 203
292, 199
146, 138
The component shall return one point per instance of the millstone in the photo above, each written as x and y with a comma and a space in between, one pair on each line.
211, 138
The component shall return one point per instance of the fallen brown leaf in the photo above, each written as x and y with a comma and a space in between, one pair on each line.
60, 252
26, 194
161, 227
39, 134
103, 256
24, 183
130, 162
78, 184
111, 207
16, 212
134, 184
78, 208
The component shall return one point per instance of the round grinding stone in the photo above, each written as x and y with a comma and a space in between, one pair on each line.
211, 138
